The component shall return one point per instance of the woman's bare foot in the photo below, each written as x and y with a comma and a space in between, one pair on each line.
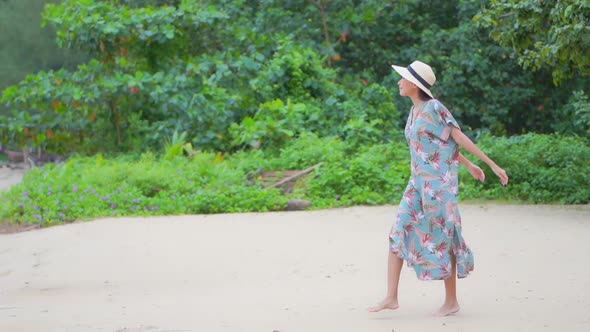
448, 309
389, 303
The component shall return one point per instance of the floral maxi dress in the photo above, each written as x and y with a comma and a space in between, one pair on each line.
428, 223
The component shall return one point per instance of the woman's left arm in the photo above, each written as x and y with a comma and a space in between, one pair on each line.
468, 145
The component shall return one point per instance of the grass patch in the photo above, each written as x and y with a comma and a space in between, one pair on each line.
146, 185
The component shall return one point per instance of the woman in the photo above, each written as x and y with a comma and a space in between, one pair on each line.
427, 233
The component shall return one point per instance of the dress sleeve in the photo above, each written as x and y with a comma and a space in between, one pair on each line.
439, 121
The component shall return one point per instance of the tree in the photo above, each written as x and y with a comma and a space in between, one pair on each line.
198, 66
544, 33
137, 82
24, 46
188, 66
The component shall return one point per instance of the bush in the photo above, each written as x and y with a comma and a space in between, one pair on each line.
375, 175
542, 169
576, 116
272, 125
85, 188
309, 150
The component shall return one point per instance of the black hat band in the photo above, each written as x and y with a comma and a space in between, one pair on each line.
419, 78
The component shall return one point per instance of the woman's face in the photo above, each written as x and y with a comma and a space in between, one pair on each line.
407, 88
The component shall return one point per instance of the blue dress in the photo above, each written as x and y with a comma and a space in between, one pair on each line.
428, 223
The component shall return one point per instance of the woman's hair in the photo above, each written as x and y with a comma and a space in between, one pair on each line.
423, 95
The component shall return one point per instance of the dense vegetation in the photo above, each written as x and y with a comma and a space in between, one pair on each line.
221, 89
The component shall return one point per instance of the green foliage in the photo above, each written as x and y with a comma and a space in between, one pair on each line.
199, 66
272, 125
368, 116
125, 93
347, 175
91, 104
138, 92
293, 72
308, 150
550, 33
576, 116
466, 64
176, 146
542, 169
86, 188
25, 47
106, 30
253, 52
481, 81
374, 175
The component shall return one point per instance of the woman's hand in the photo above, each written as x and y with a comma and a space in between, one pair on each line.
501, 174
476, 172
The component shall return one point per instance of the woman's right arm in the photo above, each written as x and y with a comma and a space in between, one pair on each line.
473, 169
468, 145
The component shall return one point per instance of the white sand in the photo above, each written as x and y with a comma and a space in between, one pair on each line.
304, 271
9, 177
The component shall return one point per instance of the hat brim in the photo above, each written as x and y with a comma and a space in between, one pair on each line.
405, 73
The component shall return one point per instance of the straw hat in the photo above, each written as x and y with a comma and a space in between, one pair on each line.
418, 73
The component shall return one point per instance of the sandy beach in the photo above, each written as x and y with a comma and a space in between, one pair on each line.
297, 271
290, 271
11, 176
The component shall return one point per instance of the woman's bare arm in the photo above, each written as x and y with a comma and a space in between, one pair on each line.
468, 145
473, 169
463, 160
